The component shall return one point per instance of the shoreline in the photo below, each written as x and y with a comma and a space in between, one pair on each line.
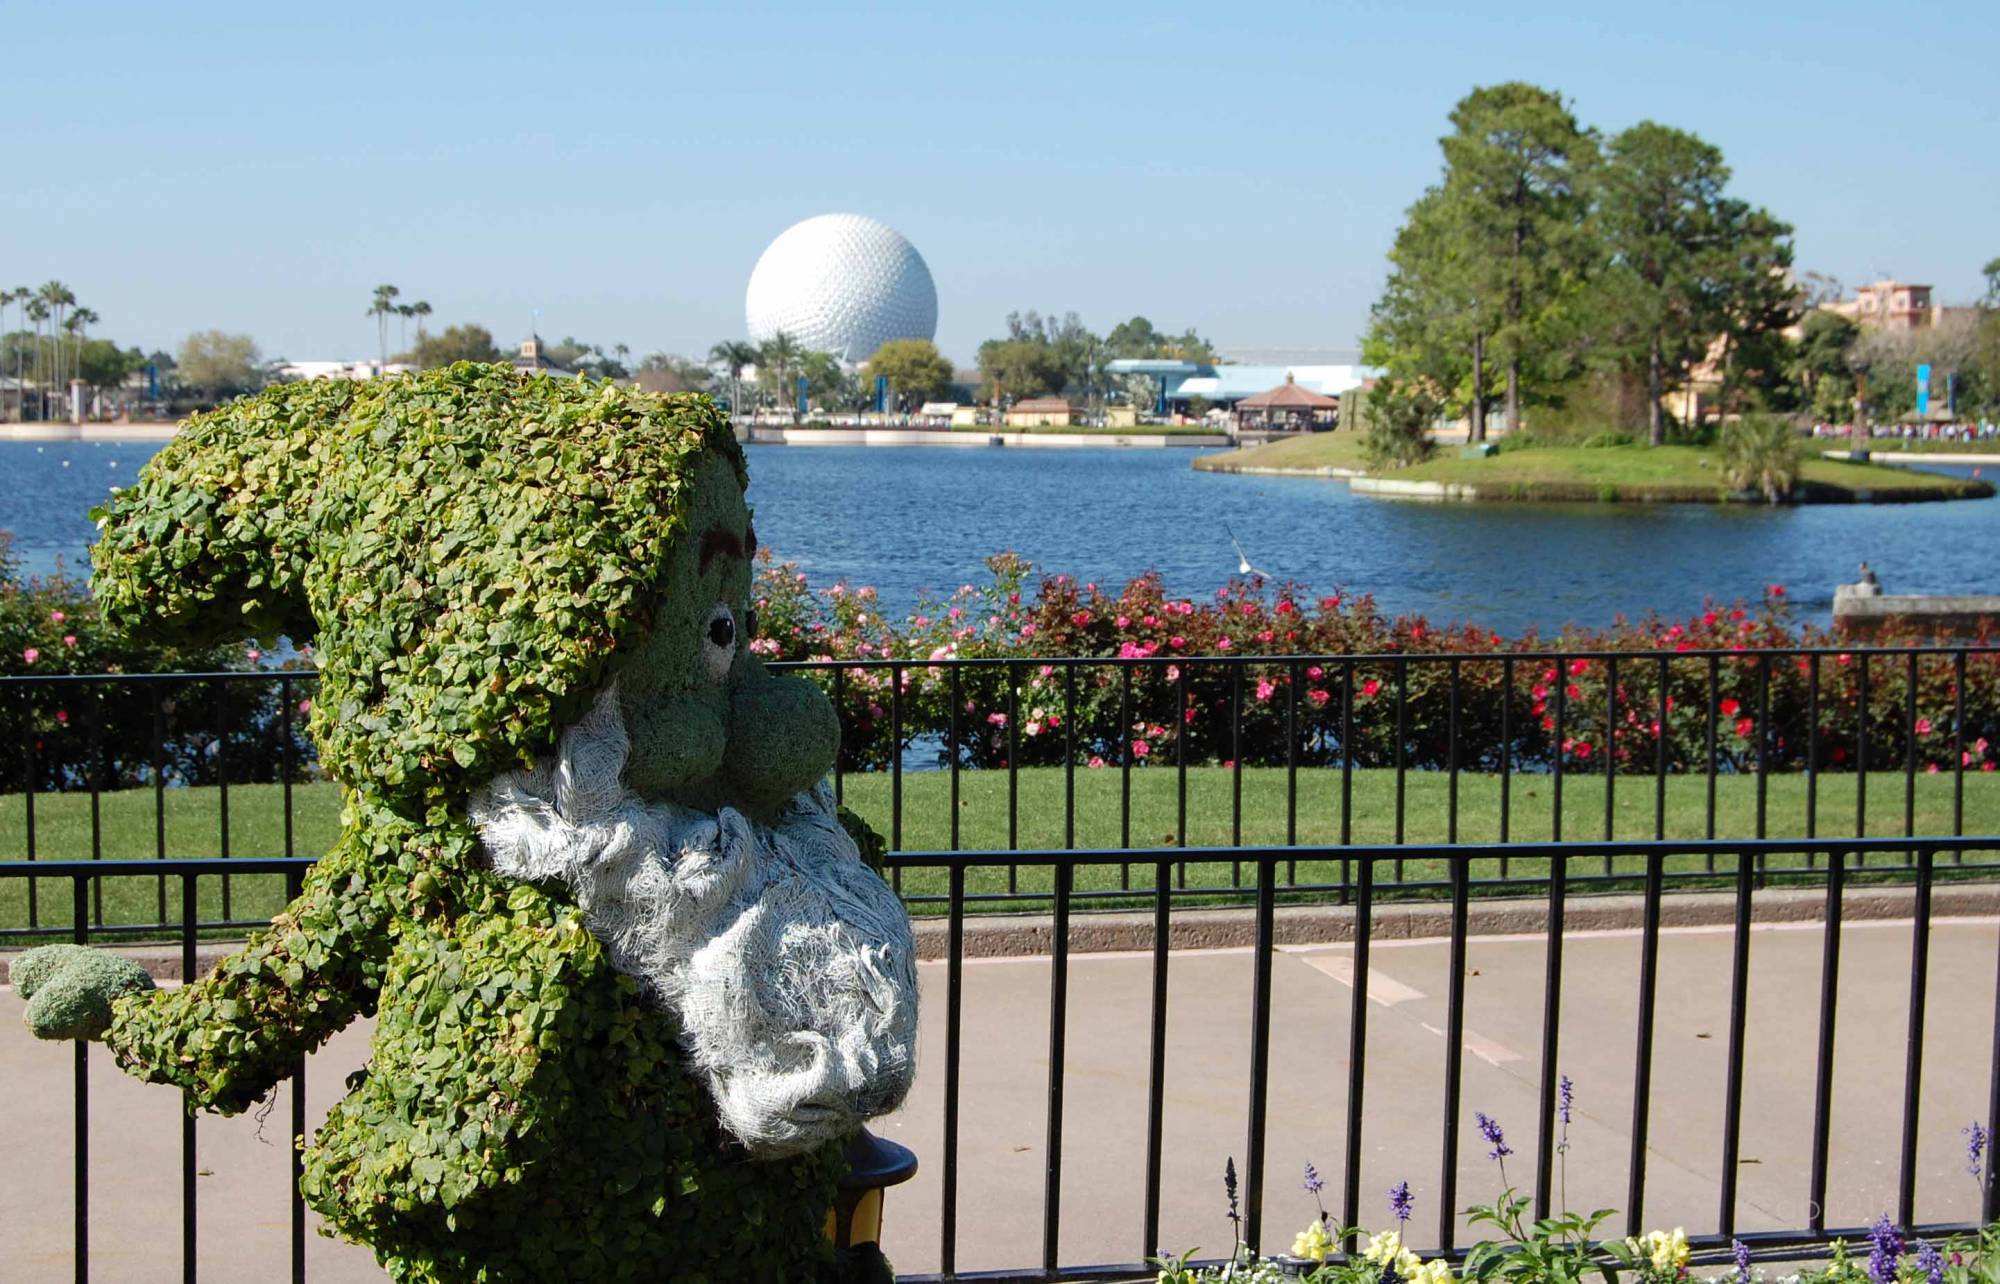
755, 436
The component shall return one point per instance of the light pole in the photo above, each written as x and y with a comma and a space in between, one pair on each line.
1859, 365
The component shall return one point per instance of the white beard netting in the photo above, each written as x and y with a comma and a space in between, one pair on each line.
788, 961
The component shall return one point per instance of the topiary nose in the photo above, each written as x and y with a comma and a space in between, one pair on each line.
783, 736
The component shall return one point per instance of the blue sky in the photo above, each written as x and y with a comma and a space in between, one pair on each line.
1241, 169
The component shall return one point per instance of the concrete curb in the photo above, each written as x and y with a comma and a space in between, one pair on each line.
990, 936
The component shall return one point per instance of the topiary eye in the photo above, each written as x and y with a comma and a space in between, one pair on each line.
719, 641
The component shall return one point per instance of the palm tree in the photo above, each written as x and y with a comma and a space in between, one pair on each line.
420, 310
404, 311
733, 355
59, 298
380, 309
37, 311
10, 297
780, 352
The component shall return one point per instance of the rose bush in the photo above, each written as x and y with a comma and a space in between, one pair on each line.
1736, 682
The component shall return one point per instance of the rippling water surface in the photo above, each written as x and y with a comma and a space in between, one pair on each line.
916, 518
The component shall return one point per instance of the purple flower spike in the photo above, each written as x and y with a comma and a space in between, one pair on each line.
1741, 1252
1565, 1098
1976, 1140
1930, 1262
1400, 1201
1313, 1184
1884, 1247
1489, 1128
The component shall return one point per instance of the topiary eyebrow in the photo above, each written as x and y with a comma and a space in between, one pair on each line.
720, 539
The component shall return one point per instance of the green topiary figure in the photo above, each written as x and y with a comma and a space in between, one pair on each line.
633, 981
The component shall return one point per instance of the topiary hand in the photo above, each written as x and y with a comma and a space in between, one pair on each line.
69, 989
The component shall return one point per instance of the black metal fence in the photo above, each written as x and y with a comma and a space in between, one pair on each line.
1141, 753
1834, 864
1399, 789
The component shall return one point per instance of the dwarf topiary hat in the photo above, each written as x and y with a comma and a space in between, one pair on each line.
464, 547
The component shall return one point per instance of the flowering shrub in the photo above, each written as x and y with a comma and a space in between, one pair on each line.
1559, 1249
68, 732
1534, 700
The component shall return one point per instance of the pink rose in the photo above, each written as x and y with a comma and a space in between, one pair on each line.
30, 654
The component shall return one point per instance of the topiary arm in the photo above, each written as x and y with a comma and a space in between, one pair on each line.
227, 1038
873, 847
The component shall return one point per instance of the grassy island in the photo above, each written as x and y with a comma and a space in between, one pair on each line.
1657, 474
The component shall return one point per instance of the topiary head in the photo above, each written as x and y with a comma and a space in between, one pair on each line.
473, 555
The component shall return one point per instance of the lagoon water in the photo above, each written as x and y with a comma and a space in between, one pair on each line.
912, 519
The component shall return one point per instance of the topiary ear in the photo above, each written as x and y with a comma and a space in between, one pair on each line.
213, 543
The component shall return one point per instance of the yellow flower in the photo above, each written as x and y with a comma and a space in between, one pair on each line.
1669, 1254
1436, 1271
1383, 1248
1313, 1243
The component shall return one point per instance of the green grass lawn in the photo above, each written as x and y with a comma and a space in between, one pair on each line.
1898, 446
1682, 472
1311, 451
63, 824
1577, 473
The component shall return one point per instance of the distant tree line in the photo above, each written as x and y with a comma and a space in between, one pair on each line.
1553, 268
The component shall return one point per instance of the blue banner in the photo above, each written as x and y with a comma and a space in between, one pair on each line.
881, 393
1923, 391
802, 396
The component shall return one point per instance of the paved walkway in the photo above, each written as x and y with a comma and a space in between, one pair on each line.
243, 1218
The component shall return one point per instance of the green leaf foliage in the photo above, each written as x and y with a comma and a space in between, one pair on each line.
466, 548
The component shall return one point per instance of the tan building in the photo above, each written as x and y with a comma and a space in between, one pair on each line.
1040, 412
1891, 305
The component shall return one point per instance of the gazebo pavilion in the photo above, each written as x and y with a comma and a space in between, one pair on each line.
1287, 408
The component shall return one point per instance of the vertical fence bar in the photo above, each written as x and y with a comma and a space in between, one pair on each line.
1506, 754
222, 783
1552, 980
1642, 1059
1454, 1044
954, 1007
1739, 1008
1069, 756
1260, 1048
1058, 1037
1714, 701
1156, 1057
1913, 1053
1402, 752
896, 771
1989, 1182
1180, 770
1125, 766
1556, 745
1346, 771
1764, 743
1291, 770
1958, 751
288, 764
840, 715
1013, 773
31, 781
189, 914
1861, 754
1451, 757
293, 878
79, 909
957, 698
1910, 751
1610, 755
1235, 771
95, 696
156, 760
1357, 1047
1660, 715
1829, 986
1812, 752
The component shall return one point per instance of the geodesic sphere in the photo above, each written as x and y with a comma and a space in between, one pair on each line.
841, 283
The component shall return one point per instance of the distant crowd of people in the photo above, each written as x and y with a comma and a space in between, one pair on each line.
1969, 430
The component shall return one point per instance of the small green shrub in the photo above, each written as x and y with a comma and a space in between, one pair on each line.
1398, 433
1609, 440
1760, 453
